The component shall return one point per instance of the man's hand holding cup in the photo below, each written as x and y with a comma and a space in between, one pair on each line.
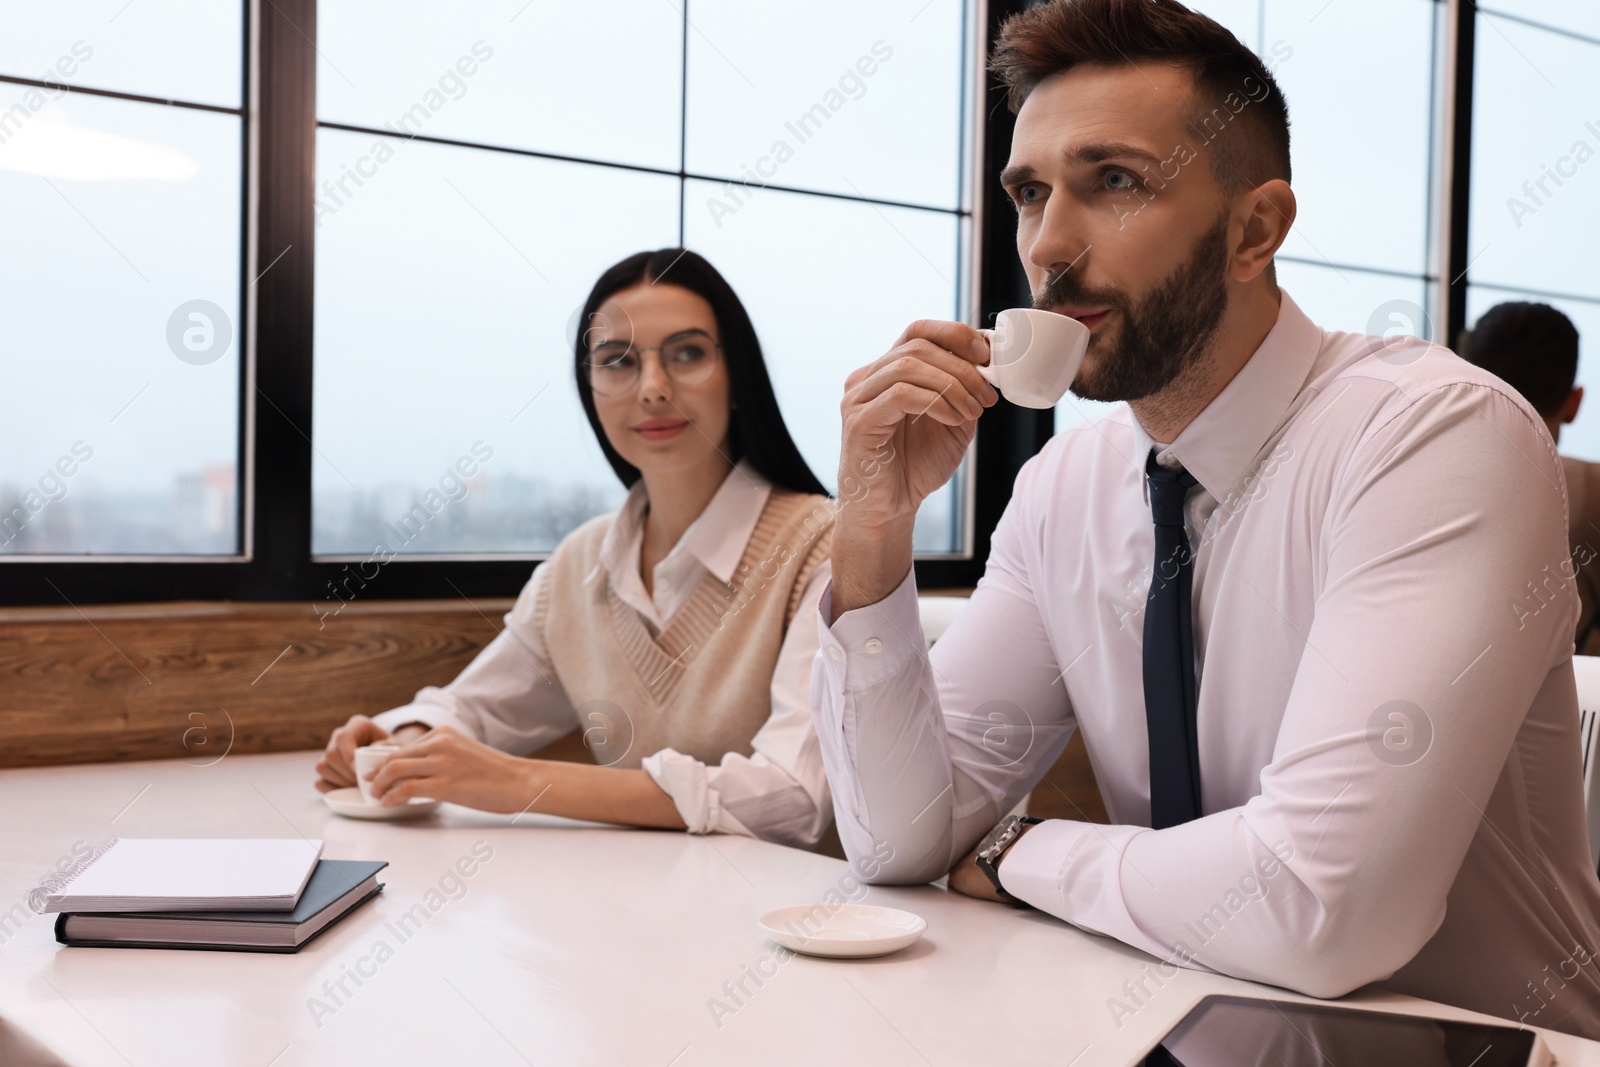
908, 418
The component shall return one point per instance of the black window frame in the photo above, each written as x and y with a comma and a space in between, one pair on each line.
274, 497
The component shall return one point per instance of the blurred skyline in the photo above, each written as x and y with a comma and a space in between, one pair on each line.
196, 516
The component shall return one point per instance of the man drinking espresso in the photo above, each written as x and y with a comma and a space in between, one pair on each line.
1289, 594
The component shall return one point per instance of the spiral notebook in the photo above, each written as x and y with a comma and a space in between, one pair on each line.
185, 874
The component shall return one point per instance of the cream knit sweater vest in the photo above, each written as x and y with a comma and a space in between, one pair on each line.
703, 684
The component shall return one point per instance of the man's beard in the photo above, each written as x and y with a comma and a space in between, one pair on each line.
1162, 335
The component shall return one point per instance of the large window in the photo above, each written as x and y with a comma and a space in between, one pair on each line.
476, 172
1535, 181
122, 140
274, 268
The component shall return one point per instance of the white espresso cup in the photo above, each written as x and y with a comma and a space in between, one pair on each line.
369, 760
1034, 355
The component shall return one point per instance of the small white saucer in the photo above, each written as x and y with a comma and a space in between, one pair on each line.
348, 802
847, 931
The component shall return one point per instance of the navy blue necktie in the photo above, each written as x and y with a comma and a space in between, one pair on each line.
1170, 690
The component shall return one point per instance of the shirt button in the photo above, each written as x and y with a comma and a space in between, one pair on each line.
836, 653
873, 646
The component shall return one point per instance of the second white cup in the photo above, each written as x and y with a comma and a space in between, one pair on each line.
369, 759
1034, 355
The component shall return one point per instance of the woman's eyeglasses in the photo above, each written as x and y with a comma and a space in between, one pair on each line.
688, 359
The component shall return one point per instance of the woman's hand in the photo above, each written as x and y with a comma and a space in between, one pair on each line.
447, 765
337, 767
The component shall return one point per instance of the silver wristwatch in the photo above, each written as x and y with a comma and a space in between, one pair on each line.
993, 849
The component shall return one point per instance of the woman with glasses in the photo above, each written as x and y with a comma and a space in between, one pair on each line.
677, 635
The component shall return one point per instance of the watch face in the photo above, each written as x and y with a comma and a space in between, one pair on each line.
998, 837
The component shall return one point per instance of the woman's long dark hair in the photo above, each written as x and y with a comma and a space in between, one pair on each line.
756, 431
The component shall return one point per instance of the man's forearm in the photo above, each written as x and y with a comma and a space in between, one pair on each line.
868, 565
892, 785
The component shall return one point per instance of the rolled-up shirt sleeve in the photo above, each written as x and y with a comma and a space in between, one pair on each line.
780, 791
1414, 679
507, 697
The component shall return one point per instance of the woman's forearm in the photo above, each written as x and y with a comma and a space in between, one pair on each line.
596, 794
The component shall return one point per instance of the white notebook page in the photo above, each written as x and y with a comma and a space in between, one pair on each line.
198, 867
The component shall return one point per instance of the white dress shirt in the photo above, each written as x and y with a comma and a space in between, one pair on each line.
1388, 728
508, 697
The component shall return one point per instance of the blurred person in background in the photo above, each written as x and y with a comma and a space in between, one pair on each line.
1534, 349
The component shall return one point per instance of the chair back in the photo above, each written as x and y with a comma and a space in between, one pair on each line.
1586, 670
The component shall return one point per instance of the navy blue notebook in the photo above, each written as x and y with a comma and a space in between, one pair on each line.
335, 889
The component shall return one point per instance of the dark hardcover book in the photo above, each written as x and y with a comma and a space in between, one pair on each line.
336, 888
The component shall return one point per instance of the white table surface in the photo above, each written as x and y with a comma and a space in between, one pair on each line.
574, 944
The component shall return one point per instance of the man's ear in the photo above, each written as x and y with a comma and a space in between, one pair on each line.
1267, 211
1569, 410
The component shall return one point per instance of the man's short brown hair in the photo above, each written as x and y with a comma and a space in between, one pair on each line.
1241, 116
